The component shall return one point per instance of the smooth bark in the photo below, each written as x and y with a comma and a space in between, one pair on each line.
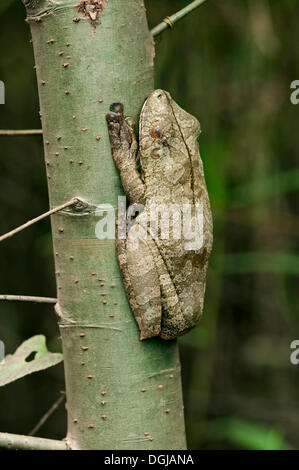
121, 393
19, 442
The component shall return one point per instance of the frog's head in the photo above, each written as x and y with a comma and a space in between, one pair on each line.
164, 125
156, 124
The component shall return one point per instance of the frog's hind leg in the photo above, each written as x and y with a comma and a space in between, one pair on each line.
141, 281
173, 317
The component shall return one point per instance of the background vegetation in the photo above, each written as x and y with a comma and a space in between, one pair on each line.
230, 63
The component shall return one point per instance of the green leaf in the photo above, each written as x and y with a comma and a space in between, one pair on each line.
31, 356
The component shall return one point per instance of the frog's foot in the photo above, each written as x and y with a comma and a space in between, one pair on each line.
120, 136
121, 129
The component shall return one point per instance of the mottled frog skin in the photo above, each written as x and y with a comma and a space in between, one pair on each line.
164, 277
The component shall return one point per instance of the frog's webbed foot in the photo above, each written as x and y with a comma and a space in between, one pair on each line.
119, 132
124, 149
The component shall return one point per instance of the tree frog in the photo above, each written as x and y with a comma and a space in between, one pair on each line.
164, 257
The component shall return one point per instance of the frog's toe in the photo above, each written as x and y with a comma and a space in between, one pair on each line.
112, 117
117, 108
113, 120
130, 121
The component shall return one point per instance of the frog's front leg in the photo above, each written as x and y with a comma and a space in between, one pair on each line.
124, 149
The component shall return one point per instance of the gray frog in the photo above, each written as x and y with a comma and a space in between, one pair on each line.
164, 276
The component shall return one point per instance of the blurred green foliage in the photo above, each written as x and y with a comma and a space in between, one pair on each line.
230, 64
4, 5
245, 435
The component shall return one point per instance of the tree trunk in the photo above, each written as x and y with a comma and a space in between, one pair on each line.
121, 393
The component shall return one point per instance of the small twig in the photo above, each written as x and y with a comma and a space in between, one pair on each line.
37, 219
22, 132
25, 298
18, 442
47, 415
169, 21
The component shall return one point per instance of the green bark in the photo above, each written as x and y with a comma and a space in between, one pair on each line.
121, 393
19, 442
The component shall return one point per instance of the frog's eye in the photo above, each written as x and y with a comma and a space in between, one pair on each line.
156, 132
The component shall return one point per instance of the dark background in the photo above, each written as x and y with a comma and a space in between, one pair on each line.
230, 63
